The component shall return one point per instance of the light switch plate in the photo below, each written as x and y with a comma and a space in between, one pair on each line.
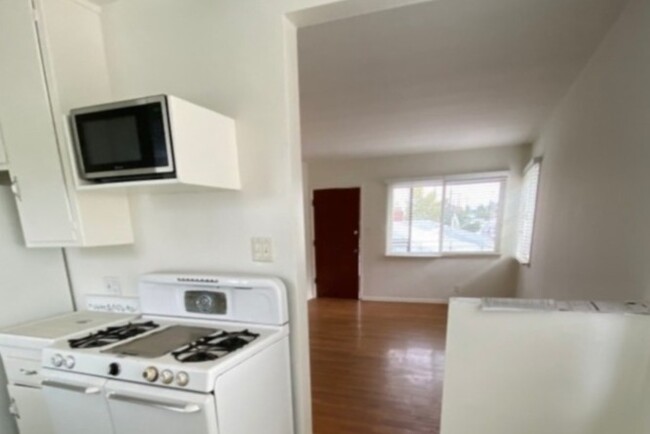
262, 249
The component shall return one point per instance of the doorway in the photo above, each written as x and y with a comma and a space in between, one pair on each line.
337, 215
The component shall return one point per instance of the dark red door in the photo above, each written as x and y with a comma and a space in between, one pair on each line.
336, 240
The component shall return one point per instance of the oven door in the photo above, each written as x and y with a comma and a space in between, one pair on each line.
76, 403
137, 409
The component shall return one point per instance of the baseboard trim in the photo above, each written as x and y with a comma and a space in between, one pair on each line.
404, 299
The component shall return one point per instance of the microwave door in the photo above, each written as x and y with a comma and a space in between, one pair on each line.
133, 140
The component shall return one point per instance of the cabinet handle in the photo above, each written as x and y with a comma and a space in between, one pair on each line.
71, 387
28, 372
13, 409
15, 188
169, 406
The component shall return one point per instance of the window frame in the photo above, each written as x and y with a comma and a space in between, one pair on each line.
443, 181
537, 161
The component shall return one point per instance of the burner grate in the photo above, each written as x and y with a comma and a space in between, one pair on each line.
214, 346
112, 335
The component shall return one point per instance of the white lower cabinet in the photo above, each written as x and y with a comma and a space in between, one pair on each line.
29, 408
51, 59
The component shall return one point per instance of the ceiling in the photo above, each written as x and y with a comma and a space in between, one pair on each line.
443, 75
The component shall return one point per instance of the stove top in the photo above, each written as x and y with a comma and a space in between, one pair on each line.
162, 342
212, 347
112, 335
163, 351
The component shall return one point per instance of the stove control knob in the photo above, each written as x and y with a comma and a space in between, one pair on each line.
150, 374
57, 360
182, 379
114, 369
70, 362
166, 376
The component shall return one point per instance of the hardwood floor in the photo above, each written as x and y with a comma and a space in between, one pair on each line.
377, 368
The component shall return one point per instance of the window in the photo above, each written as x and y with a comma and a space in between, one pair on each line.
527, 205
455, 215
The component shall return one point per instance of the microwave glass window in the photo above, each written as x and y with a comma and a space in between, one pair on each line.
111, 141
124, 138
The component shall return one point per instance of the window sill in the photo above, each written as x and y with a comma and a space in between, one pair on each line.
444, 255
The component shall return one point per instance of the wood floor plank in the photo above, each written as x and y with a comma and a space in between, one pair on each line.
377, 368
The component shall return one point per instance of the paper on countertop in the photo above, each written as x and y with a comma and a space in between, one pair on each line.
530, 305
113, 304
517, 305
630, 307
577, 306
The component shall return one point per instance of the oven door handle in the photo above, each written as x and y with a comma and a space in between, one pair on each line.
162, 405
71, 387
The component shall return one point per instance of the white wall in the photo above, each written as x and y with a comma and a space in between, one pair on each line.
33, 283
593, 228
423, 278
238, 58
229, 57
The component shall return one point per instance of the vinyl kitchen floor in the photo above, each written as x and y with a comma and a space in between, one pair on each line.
377, 368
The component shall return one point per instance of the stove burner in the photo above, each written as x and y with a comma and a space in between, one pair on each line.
111, 335
213, 347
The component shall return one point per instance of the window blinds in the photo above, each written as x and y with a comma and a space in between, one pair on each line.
527, 205
432, 217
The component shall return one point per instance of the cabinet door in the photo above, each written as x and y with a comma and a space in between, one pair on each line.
77, 406
28, 405
137, 409
3, 154
28, 131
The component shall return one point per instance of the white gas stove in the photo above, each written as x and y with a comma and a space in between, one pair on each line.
210, 354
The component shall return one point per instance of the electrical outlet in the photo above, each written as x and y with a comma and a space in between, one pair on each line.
112, 285
262, 249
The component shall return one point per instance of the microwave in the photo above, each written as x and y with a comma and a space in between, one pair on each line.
124, 140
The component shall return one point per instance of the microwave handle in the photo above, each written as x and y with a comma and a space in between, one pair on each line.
169, 406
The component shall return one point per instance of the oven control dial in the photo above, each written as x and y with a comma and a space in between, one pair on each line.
150, 374
182, 379
70, 362
57, 360
114, 369
167, 376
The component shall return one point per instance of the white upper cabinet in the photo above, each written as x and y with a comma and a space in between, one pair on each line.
52, 59
28, 131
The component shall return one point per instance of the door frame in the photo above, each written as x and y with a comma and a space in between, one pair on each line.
312, 233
